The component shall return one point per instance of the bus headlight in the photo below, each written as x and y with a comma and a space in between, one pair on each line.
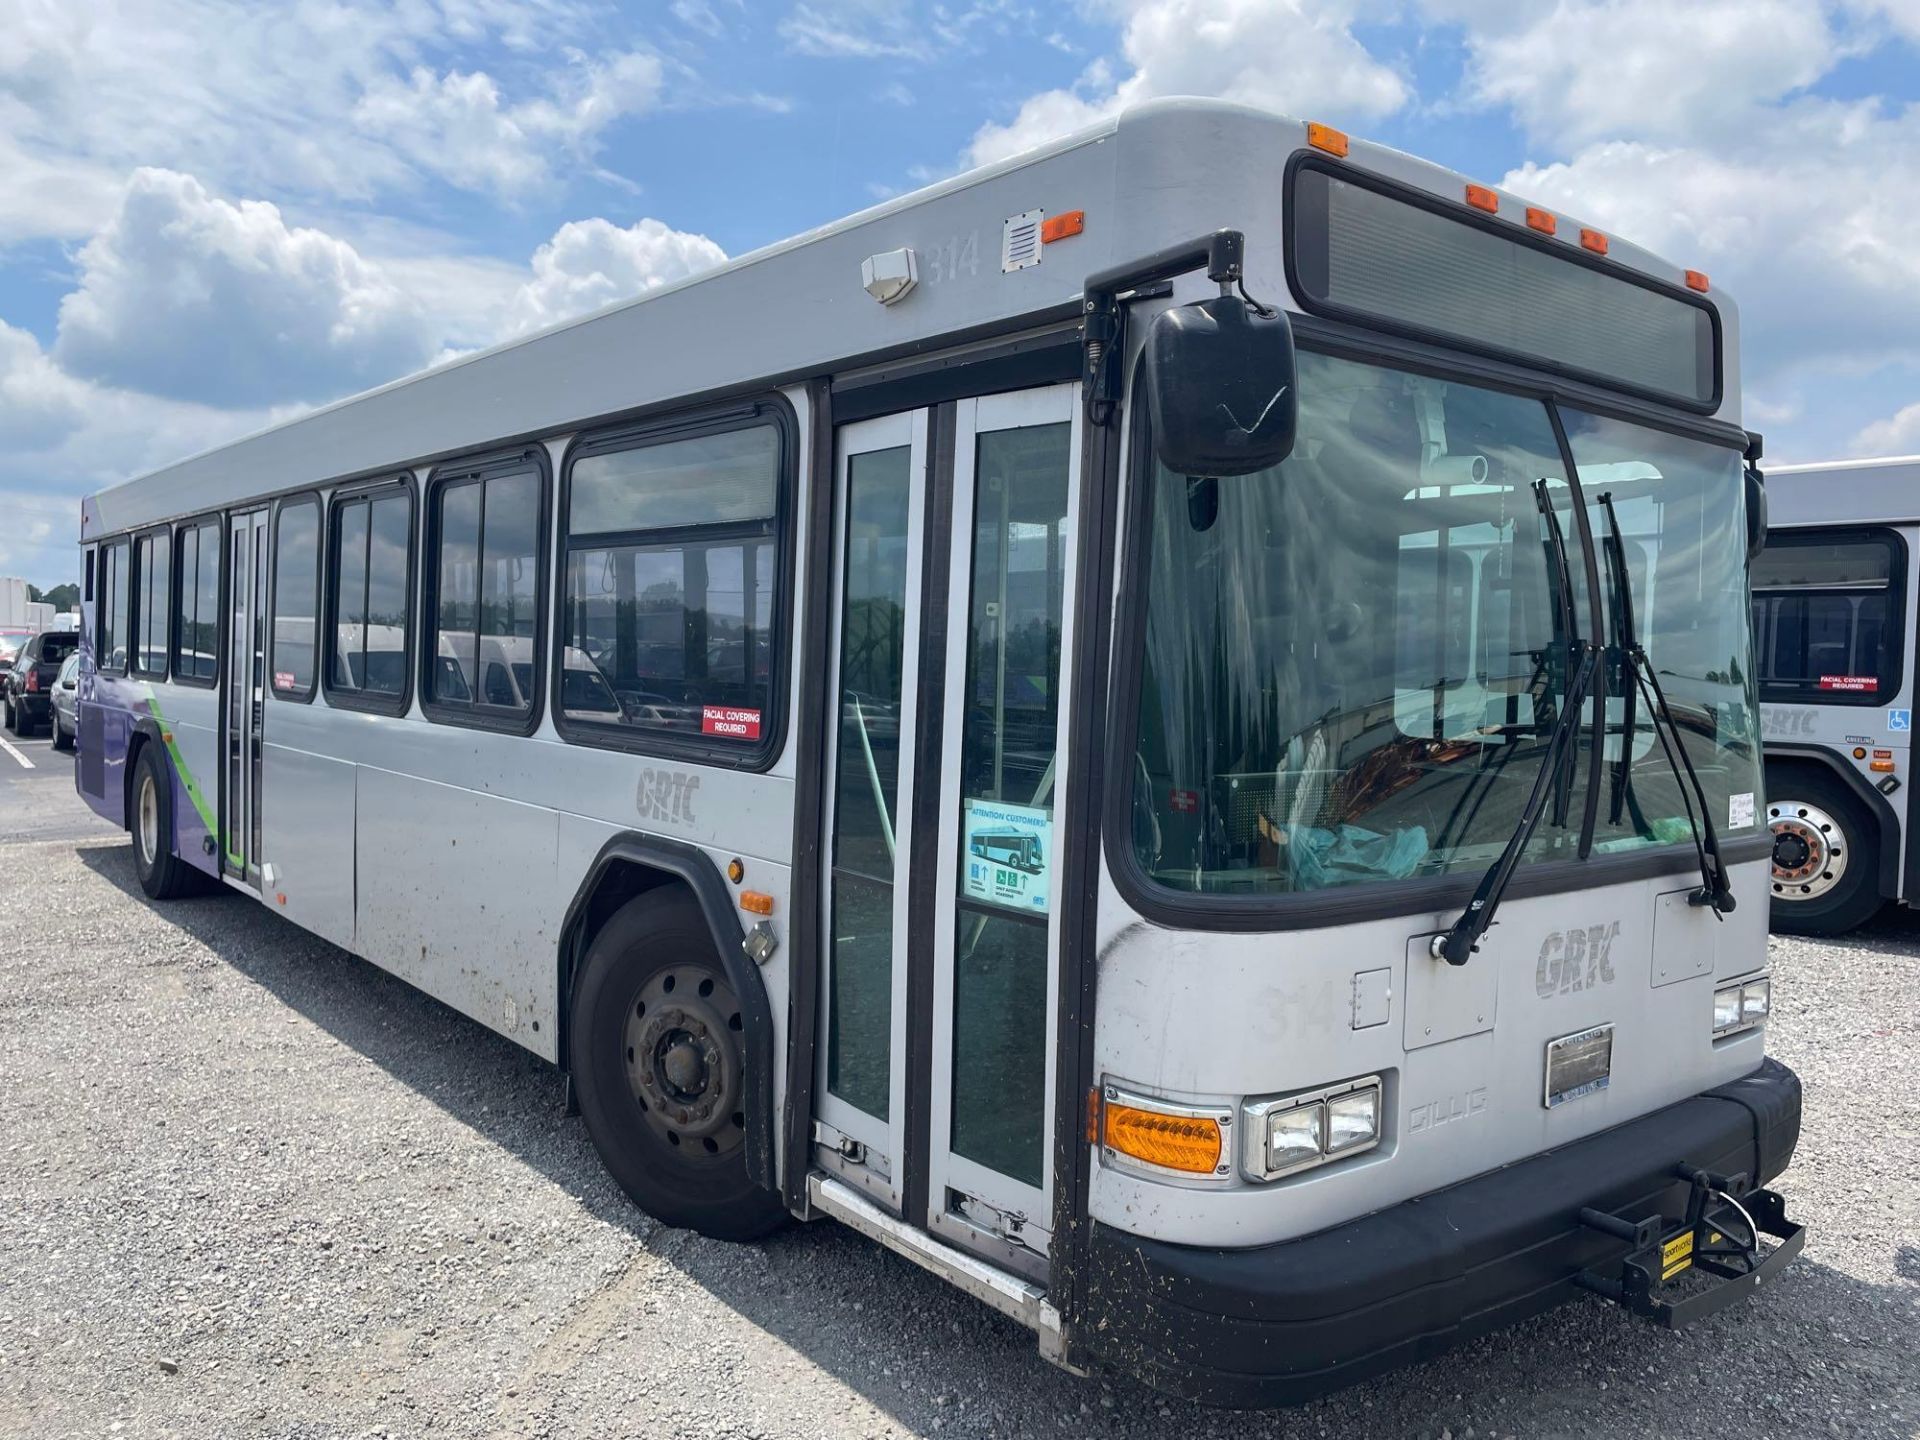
1741, 1007
1297, 1132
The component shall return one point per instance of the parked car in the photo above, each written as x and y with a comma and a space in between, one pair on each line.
12, 637
26, 695
66, 702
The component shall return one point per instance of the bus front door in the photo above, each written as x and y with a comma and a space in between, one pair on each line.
955, 558
245, 696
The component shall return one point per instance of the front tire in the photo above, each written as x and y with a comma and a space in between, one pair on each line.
1825, 861
659, 1069
163, 875
62, 737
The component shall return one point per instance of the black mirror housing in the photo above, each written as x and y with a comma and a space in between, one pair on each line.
1221, 386
1756, 513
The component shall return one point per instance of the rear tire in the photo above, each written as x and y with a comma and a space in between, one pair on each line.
13, 717
1825, 859
659, 1069
163, 875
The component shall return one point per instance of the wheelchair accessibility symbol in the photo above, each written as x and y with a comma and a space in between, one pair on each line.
1899, 720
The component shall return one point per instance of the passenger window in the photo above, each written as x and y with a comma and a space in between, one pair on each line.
672, 572
110, 611
486, 574
196, 620
368, 588
296, 574
1822, 606
153, 576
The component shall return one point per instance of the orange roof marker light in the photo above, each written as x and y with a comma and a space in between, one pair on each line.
1325, 137
1481, 198
1545, 221
1697, 280
1059, 227
1594, 241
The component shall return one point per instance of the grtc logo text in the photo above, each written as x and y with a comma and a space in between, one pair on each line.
1575, 959
666, 795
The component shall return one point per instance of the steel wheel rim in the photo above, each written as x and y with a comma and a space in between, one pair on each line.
1810, 851
149, 819
683, 1064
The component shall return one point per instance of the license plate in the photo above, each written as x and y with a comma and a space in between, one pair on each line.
1676, 1255
1579, 1064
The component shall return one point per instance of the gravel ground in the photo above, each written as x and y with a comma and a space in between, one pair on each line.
251, 1185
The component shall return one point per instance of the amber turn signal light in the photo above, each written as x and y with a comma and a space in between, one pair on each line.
1189, 1144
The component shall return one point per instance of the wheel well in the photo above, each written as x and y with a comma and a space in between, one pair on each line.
619, 881
135, 744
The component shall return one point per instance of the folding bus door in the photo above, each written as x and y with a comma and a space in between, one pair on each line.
954, 560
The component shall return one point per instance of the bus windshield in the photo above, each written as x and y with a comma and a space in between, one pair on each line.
1352, 662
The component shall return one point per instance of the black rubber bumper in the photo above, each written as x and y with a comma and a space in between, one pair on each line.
1284, 1323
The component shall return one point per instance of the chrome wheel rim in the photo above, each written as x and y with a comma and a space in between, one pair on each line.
1810, 851
149, 819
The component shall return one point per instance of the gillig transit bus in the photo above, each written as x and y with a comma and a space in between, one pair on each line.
1834, 635
1342, 569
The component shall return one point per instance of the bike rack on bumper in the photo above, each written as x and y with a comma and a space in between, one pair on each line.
1707, 1239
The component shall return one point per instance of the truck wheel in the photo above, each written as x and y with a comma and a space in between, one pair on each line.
1824, 861
163, 875
659, 1069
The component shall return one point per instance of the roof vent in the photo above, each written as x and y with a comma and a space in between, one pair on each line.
1020, 241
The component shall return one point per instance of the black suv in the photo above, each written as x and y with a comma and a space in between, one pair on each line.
26, 690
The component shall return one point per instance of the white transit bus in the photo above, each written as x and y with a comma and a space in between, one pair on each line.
1321, 556
1834, 635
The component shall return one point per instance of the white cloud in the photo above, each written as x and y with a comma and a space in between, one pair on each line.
591, 263
342, 99
1582, 70
458, 126
62, 437
856, 29
1806, 221
190, 296
1291, 55
1898, 434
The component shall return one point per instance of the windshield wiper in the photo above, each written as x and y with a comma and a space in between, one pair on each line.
1460, 940
1715, 890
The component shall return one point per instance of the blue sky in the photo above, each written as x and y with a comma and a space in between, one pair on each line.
214, 213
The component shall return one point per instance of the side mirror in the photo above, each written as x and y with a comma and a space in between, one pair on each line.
1756, 513
1220, 382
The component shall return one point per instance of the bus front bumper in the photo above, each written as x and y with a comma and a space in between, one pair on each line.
1281, 1324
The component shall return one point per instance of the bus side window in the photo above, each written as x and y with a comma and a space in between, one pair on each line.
296, 595
110, 613
369, 566
673, 558
486, 535
1822, 601
196, 620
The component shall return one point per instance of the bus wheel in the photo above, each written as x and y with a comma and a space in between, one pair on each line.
163, 875
660, 1073
1823, 863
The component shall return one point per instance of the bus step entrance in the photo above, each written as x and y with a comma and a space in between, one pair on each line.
1720, 1237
